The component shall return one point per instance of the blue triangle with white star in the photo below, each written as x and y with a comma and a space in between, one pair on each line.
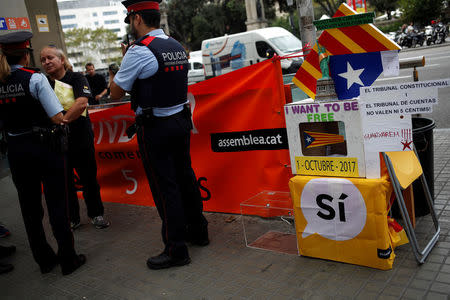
351, 71
308, 139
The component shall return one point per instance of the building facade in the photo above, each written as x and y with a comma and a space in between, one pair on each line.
108, 14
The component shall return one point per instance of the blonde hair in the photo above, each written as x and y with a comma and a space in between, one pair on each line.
62, 56
5, 69
7, 58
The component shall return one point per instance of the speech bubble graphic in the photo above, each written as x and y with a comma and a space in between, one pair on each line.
333, 208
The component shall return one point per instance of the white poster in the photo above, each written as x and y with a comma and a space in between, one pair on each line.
325, 138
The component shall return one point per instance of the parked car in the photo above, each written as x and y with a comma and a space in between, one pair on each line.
231, 52
196, 71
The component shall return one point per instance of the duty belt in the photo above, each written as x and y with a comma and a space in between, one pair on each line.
55, 136
147, 118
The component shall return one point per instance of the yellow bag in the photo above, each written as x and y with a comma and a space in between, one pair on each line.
64, 92
343, 219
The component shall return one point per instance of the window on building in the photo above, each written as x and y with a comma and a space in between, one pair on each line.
75, 54
111, 22
94, 14
110, 13
115, 30
96, 23
68, 17
109, 50
69, 26
198, 66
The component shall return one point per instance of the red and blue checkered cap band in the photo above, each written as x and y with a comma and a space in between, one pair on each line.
15, 46
143, 6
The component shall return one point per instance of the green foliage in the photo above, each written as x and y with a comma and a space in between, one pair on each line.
327, 7
191, 22
421, 12
269, 10
384, 6
284, 23
91, 43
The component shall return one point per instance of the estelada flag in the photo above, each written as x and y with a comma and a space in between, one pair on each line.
351, 71
323, 138
338, 41
317, 139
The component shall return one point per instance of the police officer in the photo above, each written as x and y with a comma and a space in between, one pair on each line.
30, 111
154, 69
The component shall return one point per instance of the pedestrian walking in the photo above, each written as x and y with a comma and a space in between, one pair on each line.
154, 70
81, 138
36, 144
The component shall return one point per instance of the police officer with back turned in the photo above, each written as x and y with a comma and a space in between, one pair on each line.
154, 70
37, 141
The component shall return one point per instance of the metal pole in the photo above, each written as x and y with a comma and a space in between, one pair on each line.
306, 18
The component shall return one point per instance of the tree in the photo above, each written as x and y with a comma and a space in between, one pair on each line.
384, 6
329, 7
421, 11
191, 22
290, 25
92, 45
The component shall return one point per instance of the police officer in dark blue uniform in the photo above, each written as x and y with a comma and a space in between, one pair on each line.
37, 140
154, 69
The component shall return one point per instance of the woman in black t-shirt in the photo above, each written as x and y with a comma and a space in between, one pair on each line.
81, 138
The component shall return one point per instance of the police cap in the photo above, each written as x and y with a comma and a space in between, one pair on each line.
16, 40
134, 6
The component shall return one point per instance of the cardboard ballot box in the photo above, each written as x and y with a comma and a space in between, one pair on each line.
343, 219
268, 221
325, 139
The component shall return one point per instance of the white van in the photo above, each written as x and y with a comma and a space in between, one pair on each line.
230, 52
196, 71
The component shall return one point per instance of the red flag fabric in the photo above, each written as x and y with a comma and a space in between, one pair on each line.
337, 41
238, 144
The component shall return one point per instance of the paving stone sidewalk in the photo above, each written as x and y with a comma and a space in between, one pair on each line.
226, 269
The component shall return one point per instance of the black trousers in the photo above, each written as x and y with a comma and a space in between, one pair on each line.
165, 147
32, 166
82, 158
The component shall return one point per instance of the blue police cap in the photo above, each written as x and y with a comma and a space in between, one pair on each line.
16, 40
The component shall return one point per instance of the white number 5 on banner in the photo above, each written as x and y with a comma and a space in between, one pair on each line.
130, 192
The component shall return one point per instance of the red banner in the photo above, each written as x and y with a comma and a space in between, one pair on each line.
238, 145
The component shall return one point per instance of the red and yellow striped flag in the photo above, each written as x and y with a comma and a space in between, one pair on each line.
337, 41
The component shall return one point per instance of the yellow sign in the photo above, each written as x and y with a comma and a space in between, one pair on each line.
343, 219
42, 23
327, 166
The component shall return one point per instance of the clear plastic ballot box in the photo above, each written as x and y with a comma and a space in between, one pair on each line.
268, 222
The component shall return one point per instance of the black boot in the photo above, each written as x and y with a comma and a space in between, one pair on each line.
163, 261
197, 235
7, 251
47, 268
5, 268
68, 267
